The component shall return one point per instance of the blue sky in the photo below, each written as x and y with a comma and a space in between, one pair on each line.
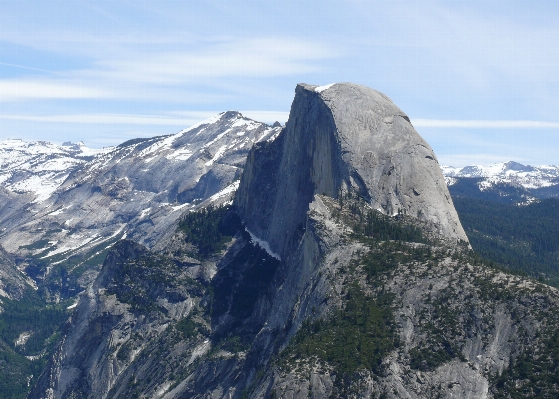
479, 79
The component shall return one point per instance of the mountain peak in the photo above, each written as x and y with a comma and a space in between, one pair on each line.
512, 165
74, 146
232, 115
341, 138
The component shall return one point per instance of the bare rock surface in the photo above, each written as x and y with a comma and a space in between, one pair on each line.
13, 282
339, 138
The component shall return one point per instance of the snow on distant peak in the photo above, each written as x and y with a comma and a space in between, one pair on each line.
73, 146
209, 121
81, 149
40, 167
529, 177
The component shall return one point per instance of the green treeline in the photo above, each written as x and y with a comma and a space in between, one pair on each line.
356, 337
374, 225
524, 238
210, 228
42, 321
539, 372
379, 227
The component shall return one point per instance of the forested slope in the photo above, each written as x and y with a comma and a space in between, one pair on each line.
521, 238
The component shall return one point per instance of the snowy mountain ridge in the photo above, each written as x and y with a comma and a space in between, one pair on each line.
513, 173
40, 167
63, 209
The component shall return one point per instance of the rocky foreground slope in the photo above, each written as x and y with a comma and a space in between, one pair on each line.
312, 284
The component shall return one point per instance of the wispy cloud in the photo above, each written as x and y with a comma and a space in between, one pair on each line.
115, 119
20, 89
24, 67
159, 74
265, 57
480, 124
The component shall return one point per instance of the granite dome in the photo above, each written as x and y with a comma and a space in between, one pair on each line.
340, 137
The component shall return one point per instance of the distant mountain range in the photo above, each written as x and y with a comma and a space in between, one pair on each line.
509, 182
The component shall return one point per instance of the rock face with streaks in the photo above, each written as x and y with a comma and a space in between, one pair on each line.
343, 137
109, 330
13, 283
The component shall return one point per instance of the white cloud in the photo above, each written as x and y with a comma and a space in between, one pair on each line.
265, 57
480, 124
137, 73
19, 89
115, 119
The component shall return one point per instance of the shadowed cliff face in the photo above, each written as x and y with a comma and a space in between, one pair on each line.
338, 138
13, 283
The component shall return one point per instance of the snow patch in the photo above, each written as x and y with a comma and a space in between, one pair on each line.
144, 213
23, 338
320, 89
66, 248
227, 190
484, 185
179, 155
178, 207
263, 244
58, 211
217, 155
450, 180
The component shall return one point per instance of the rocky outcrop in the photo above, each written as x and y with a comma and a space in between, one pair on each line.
13, 283
339, 138
459, 325
128, 310
146, 328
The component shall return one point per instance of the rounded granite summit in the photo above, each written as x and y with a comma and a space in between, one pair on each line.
343, 136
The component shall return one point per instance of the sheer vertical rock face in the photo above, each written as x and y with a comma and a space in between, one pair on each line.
13, 282
339, 137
